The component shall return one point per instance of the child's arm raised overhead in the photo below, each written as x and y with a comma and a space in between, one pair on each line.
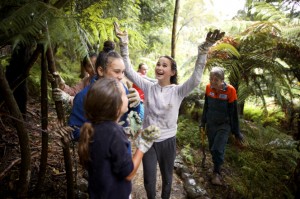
194, 80
131, 74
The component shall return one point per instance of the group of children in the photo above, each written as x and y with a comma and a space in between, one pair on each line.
104, 149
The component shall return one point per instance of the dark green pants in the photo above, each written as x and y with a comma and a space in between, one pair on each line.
217, 139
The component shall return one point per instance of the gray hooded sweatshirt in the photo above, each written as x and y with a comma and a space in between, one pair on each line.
162, 103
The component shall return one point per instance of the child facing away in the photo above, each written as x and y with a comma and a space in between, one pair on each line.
103, 145
162, 102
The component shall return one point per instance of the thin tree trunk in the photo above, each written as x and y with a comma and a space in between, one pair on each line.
69, 171
61, 119
25, 170
19, 80
175, 19
60, 110
44, 122
58, 104
298, 125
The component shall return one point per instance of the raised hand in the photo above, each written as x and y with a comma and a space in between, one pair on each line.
122, 35
214, 36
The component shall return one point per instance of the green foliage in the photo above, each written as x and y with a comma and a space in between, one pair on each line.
272, 117
187, 154
253, 67
188, 133
155, 19
24, 24
267, 161
28, 24
265, 11
261, 169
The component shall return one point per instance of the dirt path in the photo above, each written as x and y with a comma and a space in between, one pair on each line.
138, 191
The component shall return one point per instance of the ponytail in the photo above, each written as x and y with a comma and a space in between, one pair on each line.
86, 135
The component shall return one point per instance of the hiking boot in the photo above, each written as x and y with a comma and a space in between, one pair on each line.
216, 179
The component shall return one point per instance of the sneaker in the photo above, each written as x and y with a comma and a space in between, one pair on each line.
216, 179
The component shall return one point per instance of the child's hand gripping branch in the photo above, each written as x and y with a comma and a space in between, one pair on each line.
57, 93
64, 132
145, 140
56, 77
60, 95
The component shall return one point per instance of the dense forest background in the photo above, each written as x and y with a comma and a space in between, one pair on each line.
260, 52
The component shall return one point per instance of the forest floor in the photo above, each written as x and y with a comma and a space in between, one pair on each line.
55, 182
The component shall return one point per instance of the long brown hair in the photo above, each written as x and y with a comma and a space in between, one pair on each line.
174, 78
102, 103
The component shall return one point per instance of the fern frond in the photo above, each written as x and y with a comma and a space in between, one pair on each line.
26, 23
228, 48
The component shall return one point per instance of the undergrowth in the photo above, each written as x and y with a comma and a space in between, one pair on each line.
273, 117
262, 168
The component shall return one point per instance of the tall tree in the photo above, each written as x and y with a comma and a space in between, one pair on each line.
174, 30
25, 170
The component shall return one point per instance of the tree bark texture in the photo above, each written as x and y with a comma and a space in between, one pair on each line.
25, 170
22, 77
44, 123
61, 119
174, 31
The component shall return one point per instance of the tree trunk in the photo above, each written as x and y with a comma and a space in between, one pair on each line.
21, 78
61, 120
44, 122
25, 170
60, 110
298, 135
174, 31
58, 104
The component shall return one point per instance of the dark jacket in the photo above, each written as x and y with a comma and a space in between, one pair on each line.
221, 107
110, 162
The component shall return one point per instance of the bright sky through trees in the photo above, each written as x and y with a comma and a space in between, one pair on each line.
227, 8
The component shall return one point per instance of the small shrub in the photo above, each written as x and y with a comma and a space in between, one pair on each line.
188, 132
273, 117
187, 154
